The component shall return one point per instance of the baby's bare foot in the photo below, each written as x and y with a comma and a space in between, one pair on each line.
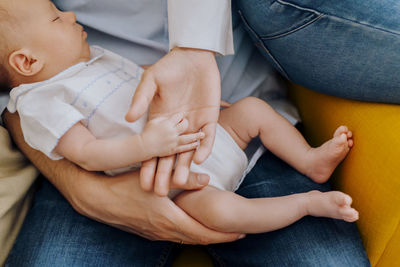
332, 204
323, 160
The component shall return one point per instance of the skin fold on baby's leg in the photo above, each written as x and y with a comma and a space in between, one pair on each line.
252, 117
228, 212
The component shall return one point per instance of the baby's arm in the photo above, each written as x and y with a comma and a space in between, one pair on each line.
160, 137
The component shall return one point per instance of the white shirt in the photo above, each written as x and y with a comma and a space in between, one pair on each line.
213, 31
139, 30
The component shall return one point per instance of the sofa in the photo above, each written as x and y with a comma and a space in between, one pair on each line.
370, 173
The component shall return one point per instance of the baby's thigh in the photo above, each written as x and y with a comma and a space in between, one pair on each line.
243, 119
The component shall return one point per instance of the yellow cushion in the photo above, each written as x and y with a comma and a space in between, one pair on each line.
371, 171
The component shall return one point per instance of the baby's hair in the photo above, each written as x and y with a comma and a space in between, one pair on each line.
4, 79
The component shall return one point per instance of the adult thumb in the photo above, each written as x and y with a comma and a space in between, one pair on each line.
206, 145
142, 98
194, 181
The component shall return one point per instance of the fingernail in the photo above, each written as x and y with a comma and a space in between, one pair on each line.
242, 236
203, 179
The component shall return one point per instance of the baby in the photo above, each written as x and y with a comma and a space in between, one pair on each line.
72, 100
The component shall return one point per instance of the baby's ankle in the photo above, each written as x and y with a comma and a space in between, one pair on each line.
309, 160
306, 202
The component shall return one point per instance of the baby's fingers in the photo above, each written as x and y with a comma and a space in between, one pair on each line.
186, 147
190, 138
182, 126
177, 117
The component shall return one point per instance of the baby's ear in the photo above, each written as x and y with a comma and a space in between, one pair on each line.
25, 63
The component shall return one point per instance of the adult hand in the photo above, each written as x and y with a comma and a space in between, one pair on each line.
185, 80
119, 201
148, 175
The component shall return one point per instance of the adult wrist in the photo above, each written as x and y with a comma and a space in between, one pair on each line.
110, 200
199, 58
192, 50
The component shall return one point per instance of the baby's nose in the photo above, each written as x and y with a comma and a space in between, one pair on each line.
71, 16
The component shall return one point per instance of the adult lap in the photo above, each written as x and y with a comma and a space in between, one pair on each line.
55, 235
349, 49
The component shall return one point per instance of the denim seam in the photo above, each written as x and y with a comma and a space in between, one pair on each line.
294, 30
298, 7
335, 16
261, 45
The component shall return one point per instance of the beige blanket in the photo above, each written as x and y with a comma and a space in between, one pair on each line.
16, 178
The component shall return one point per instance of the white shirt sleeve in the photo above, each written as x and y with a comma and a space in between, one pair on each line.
44, 116
203, 24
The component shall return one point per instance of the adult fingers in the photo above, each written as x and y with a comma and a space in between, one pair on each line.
181, 173
185, 148
142, 97
206, 144
193, 232
193, 182
177, 226
147, 173
163, 175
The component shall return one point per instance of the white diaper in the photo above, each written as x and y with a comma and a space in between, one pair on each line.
225, 165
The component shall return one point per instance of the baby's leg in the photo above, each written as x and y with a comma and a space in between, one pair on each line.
251, 117
228, 212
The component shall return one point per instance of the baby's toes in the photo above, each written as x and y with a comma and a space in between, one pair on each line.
349, 214
340, 130
350, 142
341, 141
342, 199
349, 134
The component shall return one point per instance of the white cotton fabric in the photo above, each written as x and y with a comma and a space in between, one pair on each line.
98, 93
204, 24
227, 161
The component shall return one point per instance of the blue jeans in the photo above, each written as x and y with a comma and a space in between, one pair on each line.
55, 235
344, 48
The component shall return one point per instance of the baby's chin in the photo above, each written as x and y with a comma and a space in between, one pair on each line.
86, 52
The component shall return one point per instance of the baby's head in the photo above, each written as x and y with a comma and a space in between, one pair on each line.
37, 41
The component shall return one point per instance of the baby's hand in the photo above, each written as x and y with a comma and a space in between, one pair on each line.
163, 136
